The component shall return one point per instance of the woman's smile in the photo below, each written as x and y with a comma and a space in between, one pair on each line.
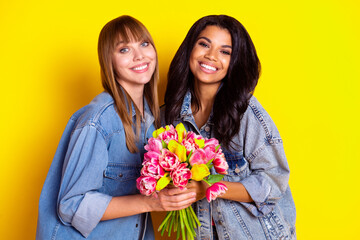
211, 54
140, 68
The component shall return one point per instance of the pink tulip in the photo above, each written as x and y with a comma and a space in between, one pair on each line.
151, 156
168, 160
215, 190
168, 135
146, 185
181, 175
211, 141
189, 142
220, 164
152, 168
154, 144
189, 145
210, 152
198, 157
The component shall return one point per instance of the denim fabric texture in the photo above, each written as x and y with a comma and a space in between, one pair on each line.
260, 165
91, 165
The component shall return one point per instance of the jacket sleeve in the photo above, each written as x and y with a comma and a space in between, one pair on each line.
269, 170
80, 204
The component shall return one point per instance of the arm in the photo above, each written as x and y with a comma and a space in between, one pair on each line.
236, 191
165, 200
263, 150
268, 171
81, 205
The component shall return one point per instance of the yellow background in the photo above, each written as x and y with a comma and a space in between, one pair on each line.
309, 52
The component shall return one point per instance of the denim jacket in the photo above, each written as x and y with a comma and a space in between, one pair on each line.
261, 166
91, 165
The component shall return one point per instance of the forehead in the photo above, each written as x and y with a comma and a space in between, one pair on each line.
215, 33
127, 35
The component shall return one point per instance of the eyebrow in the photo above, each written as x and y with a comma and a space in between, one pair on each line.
225, 46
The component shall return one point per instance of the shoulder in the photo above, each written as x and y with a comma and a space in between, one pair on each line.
99, 113
257, 118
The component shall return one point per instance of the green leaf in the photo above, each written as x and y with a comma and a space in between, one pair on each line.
209, 164
217, 147
164, 145
188, 157
214, 178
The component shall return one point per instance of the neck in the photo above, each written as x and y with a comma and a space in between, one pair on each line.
137, 95
206, 94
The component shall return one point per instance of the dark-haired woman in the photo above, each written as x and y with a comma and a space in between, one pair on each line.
210, 84
90, 191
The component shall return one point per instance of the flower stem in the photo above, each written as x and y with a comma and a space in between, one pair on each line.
165, 220
188, 229
182, 225
171, 223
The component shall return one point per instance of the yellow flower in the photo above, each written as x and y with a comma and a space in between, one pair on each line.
177, 149
163, 182
199, 171
157, 132
200, 142
181, 131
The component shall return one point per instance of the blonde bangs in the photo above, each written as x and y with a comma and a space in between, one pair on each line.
132, 31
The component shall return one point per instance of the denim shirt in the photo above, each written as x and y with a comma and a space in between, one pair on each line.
91, 165
261, 166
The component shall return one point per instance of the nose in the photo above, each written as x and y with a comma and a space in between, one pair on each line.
138, 54
211, 55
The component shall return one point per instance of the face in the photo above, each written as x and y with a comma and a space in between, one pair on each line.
134, 64
210, 57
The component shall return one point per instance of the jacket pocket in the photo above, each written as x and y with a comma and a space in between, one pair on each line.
238, 166
120, 179
274, 226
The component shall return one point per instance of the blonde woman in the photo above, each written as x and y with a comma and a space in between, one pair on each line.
90, 191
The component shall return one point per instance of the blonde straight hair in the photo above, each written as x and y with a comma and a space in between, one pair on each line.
127, 29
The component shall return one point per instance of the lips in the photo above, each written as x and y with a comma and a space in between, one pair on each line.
207, 67
140, 68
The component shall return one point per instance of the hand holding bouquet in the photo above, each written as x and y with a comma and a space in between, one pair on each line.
175, 156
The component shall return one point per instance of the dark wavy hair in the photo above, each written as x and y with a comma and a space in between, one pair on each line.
238, 85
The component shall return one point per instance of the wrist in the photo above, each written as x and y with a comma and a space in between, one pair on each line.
145, 203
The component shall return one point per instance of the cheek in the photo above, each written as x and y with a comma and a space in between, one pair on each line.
120, 63
226, 63
192, 61
150, 53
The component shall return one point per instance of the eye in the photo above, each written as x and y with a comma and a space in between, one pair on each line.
203, 44
225, 52
123, 50
145, 44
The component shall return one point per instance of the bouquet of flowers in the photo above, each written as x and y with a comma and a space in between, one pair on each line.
175, 156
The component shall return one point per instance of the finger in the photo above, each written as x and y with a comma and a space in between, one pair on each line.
175, 191
179, 198
171, 206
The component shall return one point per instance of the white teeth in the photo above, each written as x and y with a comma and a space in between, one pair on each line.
208, 67
140, 67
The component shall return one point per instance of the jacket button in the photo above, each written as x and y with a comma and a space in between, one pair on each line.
120, 175
207, 128
237, 170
